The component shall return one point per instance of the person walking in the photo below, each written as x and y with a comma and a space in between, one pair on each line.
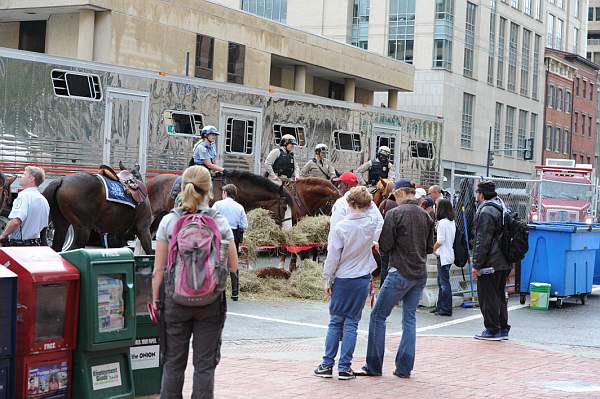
346, 276
236, 217
319, 166
407, 237
29, 213
444, 249
205, 323
490, 267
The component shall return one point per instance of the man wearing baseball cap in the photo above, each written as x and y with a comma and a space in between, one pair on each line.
341, 209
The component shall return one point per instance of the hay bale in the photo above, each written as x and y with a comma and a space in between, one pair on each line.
273, 272
262, 230
310, 229
307, 281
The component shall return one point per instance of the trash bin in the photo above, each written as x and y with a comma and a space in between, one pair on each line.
147, 373
8, 321
539, 296
562, 255
597, 269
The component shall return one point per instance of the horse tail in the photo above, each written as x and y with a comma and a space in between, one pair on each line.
50, 193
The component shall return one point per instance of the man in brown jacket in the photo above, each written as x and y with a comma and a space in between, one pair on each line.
407, 237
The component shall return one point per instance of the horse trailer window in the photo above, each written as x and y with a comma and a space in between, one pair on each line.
421, 149
76, 85
184, 123
297, 131
389, 142
347, 141
239, 136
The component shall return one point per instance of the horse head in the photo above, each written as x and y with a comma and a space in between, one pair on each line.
5, 182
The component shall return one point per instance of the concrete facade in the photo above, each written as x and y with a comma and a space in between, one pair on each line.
160, 36
593, 31
573, 17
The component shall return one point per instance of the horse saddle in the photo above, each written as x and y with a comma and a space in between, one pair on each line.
132, 185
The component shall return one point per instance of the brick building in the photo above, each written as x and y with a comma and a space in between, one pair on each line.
570, 109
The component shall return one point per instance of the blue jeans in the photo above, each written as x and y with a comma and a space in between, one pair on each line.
444, 301
396, 288
337, 324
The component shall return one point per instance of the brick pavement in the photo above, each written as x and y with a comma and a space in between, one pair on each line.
446, 367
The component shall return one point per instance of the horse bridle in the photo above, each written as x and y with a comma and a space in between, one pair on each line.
302, 205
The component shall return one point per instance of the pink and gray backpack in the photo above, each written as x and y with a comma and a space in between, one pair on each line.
197, 270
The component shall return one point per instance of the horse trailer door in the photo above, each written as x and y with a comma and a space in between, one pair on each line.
240, 138
125, 128
390, 137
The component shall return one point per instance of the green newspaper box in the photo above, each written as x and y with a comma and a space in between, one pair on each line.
107, 324
147, 373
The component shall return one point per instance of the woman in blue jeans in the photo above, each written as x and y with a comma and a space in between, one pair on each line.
444, 249
346, 277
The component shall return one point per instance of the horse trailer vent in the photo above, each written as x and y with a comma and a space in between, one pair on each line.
76, 85
421, 149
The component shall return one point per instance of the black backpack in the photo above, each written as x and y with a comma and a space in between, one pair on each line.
515, 237
461, 254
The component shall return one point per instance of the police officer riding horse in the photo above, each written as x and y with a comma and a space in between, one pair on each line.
280, 165
379, 167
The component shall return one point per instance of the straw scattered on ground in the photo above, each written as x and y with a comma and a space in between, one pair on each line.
305, 283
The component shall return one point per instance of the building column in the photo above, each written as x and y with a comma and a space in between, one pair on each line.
392, 99
300, 78
85, 38
349, 90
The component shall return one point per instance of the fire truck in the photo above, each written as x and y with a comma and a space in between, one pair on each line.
566, 192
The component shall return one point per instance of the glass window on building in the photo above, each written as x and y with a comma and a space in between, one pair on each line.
32, 36
271, 9
565, 149
204, 57
567, 101
235, 63
501, 45
469, 40
536, 66
560, 3
550, 31
466, 135
497, 123
559, 34
538, 10
597, 13
575, 40
512, 57
559, 100
525, 62
533, 126
510, 127
527, 7
548, 137
401, 30
577, 8
492, 40
590, 13
521, 135
360, 24
514, 4
443, 31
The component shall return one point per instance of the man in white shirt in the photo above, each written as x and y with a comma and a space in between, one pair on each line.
236, 216
341, 208
30, 211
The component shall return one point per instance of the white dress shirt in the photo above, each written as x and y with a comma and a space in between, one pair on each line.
233, 212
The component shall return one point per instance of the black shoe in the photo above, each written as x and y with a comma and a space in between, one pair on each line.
364, 372
434, 310
443, 314
234, 298
346, 375
402, 375
324, 371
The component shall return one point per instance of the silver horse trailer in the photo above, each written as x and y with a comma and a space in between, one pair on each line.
70, 116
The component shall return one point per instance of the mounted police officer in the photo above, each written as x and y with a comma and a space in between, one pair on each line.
319, 166
279, 164
380, 167
205, 151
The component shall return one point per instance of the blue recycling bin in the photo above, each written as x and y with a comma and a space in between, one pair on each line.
597, 269
562, 255
8, 325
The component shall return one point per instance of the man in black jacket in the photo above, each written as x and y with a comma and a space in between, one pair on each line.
490, 267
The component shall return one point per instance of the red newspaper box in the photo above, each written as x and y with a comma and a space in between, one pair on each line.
47, 311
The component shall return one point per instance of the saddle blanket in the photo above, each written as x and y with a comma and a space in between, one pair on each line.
115, 192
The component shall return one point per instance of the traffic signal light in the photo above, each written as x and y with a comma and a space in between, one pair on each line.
528, 152
491, 158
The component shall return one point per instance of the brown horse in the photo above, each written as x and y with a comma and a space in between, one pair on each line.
5, 182
383, 189
79, 200
312, 196
254, 191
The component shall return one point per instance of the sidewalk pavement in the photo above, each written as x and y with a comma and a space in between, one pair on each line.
446, 367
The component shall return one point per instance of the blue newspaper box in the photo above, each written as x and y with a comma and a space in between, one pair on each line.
562, 255
8, 323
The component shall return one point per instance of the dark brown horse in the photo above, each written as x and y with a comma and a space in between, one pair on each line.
5, 182
79, 200
312, 196
254, 191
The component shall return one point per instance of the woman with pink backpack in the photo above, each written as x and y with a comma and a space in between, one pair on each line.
195, 252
